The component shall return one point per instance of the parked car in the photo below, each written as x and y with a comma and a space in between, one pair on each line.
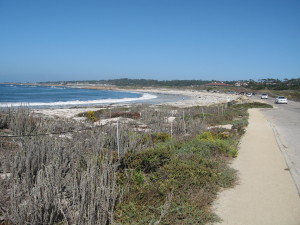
281, 100
249, 94
264, 96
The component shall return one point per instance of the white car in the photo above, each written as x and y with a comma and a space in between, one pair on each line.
248, 94
281, 100
264, 96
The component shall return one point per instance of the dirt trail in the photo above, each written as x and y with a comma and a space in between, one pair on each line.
266, 194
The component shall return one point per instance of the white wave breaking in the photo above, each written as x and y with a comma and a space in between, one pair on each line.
145, 96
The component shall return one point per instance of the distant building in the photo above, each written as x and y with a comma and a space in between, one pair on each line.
217, 84
240, 83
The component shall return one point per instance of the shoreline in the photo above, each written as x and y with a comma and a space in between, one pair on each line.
170, 97
181, 98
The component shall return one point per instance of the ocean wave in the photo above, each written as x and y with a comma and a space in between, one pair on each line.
57, 87
28, 86
145, 96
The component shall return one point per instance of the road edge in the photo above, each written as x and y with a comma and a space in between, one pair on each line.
282, 148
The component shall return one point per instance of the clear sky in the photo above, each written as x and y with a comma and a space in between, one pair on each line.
49, 40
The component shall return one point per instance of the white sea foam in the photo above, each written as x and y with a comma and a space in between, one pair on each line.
145, 96
29, 86
56, 87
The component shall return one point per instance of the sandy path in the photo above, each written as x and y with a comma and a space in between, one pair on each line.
266, 193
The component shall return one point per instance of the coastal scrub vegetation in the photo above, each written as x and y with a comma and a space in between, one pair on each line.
141, 164
125, 82
266, 84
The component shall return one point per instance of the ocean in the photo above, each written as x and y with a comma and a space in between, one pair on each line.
54, 96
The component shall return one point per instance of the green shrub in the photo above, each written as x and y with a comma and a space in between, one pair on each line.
227, 177
193, 169
240, 129
226, 147
3, 122
147, 161
253, 105
191, 175
241, 122
206, 136
91, 116
138, 177
215, 143
160, 137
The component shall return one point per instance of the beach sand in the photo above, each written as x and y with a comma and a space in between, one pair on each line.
171, 97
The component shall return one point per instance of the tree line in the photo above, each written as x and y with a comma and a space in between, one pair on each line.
275, 84
269, 83
139, 82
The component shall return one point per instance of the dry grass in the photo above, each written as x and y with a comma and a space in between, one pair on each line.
152, 169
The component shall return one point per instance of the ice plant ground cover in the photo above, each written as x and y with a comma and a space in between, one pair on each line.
140, 167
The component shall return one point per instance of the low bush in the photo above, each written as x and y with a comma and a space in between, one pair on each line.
208, 145
239, 128
191, 171
131, 115
160, 137
253, 105
147, 161
3, 122
91, 116
105, 114
152, 179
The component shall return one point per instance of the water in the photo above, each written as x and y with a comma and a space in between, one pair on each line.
51, 96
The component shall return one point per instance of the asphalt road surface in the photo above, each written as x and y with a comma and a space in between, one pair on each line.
285, 120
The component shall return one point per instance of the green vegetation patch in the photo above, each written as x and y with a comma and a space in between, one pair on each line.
168, 173
148, 161
175, 182
107, 113
90, 115
253, 105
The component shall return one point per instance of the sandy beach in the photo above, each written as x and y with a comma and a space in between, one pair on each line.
172, 97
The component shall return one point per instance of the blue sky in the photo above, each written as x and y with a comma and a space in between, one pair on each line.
152, 39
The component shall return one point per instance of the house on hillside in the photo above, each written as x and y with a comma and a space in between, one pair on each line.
240, 83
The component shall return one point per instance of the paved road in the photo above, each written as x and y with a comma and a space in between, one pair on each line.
285, 120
